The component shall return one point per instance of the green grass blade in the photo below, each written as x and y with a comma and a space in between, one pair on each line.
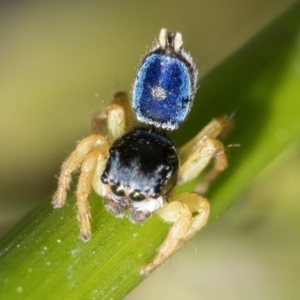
43, 258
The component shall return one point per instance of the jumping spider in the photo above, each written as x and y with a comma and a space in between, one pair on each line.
135, 169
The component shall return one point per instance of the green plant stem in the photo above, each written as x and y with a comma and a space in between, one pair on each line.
43, 257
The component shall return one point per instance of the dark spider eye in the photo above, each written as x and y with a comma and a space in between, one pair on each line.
136, 196
117, 190
155, 196
104, 178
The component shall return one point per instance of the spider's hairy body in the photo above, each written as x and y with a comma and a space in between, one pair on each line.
135, 169
142, 167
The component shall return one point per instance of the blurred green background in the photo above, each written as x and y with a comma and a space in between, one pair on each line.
61, 61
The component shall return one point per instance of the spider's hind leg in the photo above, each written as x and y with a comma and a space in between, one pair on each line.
197, 153
114, 119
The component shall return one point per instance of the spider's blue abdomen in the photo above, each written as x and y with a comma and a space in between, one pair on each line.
165, 86
162, 91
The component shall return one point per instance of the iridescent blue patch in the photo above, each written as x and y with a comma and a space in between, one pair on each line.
163, 91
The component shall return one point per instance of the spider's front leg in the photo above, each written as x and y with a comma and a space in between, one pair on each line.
93, 164
91, 154
179, 211
73, 162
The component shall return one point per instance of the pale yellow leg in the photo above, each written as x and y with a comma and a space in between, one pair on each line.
97, 184
197, 153
180, 214
91, 154
115, 119
201, 206
85, 181
121, 99
207, 149
72, 163
215, 128
220, 164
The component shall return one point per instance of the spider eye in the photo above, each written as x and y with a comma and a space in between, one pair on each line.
117, 190
104, 178
136, 196
155, 196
